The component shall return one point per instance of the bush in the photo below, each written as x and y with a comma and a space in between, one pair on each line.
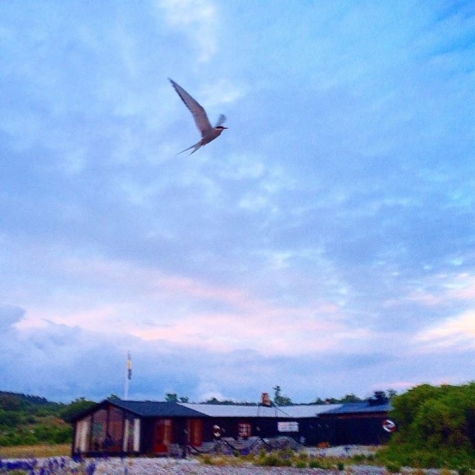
9, 419
407, 456
436, 427
393, 467
273, 460
286, 453
315, 464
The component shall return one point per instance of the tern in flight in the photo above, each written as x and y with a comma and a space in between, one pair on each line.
208, 132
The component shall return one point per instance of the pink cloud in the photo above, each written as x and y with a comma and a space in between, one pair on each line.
455, 333
151, 304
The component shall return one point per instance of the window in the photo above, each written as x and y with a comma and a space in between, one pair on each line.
115, 428
244, 430
99, 429
83, 433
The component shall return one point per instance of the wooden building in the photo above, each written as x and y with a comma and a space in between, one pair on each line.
115, 426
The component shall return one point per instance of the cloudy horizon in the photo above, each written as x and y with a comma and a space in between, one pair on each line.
323, 243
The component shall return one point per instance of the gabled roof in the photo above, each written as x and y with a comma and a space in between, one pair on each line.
231, 410
178, 409
360, 407
310, 410
143, 409
155, 408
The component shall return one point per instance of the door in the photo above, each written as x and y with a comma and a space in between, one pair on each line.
162, 436
195, 432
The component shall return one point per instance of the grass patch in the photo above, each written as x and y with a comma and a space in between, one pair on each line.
221, 460
284, 458
35, 451
407, 456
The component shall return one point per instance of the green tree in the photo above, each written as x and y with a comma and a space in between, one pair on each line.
408, 405
9, 419
350, 398
436, 426
279, 399
391, 393
319, 400
75, 407
11, 402
171, 397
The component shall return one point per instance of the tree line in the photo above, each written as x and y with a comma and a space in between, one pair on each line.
279, 399
30, 420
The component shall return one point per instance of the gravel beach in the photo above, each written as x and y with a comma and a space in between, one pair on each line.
193, 467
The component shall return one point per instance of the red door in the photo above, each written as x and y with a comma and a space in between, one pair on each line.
162, 436
195, 432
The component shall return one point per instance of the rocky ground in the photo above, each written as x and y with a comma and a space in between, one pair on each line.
192, 467
189, 466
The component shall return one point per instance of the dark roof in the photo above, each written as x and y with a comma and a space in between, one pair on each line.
155, 408
360, 407
299, 411
174, 409
143, 409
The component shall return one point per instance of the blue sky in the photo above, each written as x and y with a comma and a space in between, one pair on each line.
324, 243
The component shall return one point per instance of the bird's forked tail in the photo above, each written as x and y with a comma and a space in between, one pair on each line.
195, 147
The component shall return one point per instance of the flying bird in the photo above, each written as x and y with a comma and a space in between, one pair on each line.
208, 132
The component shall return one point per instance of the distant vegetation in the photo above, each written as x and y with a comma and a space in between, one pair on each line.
279, 399
29, 420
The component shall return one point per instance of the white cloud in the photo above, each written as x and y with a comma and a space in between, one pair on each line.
221, 91
197, 20
455, 333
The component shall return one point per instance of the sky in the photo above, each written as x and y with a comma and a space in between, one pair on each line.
324, 243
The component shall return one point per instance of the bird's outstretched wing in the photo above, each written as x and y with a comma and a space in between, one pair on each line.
199, 114
221, 120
